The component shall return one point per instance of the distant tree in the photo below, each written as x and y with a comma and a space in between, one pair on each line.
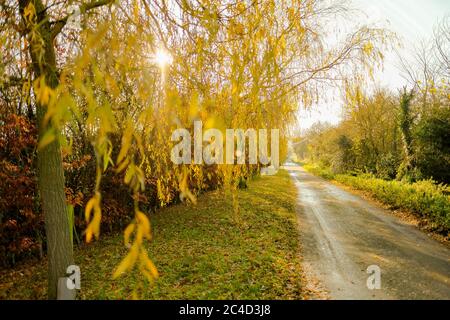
345, 158
432, 135
408, 166
441, 45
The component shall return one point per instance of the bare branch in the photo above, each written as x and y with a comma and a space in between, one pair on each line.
59, 24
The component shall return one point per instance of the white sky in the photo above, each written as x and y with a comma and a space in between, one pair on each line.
411, 20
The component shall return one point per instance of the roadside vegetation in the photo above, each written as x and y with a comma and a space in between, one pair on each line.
426, 198
202, 252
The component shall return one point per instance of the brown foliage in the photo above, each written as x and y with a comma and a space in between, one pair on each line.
21, 224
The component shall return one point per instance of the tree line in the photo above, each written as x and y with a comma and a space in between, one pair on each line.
402, 134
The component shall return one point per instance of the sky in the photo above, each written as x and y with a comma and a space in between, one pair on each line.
411, 20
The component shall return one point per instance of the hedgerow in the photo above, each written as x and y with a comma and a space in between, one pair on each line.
426, 198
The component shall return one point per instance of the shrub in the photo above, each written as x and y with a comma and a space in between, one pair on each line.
319, 171
21, 224
21, 220
425, 198
433, 144
387, 166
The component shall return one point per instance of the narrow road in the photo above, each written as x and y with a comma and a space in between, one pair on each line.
342, 235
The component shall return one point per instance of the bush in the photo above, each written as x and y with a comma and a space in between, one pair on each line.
387, 166
425, 198
344, 158
319, 171
433, 144
21, 224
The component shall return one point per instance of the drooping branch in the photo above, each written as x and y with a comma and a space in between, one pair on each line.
59, 24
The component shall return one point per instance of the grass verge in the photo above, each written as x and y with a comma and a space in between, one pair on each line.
202, 252
425, 199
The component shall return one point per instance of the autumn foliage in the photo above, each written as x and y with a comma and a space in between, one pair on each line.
21, 224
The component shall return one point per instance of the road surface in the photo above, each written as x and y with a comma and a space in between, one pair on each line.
342, 235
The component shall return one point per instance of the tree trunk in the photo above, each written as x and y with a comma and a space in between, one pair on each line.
405, 128
50, 169
51, 188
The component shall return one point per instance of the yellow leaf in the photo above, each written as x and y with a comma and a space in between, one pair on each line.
139, 235
368, 48
126, 142
145, 260
190, 196
93, 227
89, 207
129, 174
29, 11
127, 233
128, 262
140, 176
89, 234
96, 221
43, 95
139, 143
144, 223
123, 165
283, 42
46, 139
148, 275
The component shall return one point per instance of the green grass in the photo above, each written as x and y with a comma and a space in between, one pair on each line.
424, 198
202, 252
